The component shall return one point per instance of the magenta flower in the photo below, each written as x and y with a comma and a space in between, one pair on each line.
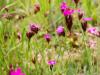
47, 37
68, 11
51, 62
18, 71
34, 27
60, 31
87, 19
63, 6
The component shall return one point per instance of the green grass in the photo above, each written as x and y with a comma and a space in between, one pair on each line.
78, 60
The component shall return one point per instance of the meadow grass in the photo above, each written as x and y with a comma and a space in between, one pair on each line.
72, 54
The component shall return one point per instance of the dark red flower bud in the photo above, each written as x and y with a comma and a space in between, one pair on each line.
36, 8
76, 2
19, 35
69, 22
80, 15
84, 25
47, 37
35, 28
29, 34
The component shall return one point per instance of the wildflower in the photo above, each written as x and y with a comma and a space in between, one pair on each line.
47, 37
92, 44
19, 35
68, 11
18, 71
63, 6
84, 25
36, 8
60, 31
80, 14
51, 63
68, 17
76, 2
87, 19
34, 27
29, 34
69, 22
93, 31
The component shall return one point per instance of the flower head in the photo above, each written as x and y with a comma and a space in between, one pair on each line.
84, 25
36, 8
68, 11
34, 27
18, 71
19, 35
47, 37
80, 14
69, 22
29, 34
63, 6
87, 19
60, 31
51, 62
93, 31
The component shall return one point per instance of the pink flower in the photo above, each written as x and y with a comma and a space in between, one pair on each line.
51, 62
47, 37
93, 30
68, 11
92, 44
19, 35
63, 6
60, 31
87, 19
18, 71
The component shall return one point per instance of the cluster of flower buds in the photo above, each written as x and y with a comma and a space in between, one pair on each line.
34, 28
67, 12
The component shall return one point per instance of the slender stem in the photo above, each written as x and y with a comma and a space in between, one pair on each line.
28, 44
